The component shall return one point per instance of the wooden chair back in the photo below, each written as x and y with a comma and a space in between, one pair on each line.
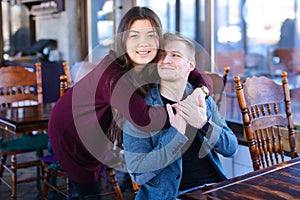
219, 82
51, 71
64, 84
266, 108
19, 86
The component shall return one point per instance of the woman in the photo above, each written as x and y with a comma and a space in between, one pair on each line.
81, 118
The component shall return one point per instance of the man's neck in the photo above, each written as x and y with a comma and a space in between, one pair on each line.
172, 90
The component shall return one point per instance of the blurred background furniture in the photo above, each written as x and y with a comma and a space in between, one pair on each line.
254, 62
286, 59
50, 76
51, 71
20, 89
219, 82
235, 59
265, 108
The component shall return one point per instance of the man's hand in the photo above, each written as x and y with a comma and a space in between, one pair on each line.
176, 120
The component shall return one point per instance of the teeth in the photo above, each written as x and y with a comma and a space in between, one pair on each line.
143, 52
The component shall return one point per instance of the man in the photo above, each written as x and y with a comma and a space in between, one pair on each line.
153, 159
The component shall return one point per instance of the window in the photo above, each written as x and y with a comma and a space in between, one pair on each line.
16, 28
164, 9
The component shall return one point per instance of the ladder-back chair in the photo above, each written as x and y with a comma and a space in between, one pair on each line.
51, 72
52, 171
266, 108
219, 83
19, 87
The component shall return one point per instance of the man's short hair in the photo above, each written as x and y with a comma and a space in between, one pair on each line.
177, 37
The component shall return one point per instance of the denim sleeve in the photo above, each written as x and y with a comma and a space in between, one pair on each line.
146, 154
217, 136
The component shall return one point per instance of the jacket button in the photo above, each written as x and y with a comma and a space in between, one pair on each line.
178, 177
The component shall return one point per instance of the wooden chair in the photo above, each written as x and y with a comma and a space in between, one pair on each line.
20, 87
135, 187
219, 82
52, 171
266, 108
64, 84
51, 72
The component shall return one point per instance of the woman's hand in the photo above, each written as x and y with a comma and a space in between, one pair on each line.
194, 96
176, 120
194, 112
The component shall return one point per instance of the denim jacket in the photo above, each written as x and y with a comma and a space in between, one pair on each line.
154, 159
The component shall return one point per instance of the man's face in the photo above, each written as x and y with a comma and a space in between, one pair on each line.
141, 43
176, 64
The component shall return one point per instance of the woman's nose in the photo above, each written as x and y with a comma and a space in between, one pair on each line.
144, 40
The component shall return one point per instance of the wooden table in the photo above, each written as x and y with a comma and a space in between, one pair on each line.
25, 119
280, 181
17, 120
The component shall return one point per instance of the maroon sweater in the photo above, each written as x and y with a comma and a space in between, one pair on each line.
81, 117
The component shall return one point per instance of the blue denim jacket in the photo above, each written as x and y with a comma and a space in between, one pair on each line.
153, 159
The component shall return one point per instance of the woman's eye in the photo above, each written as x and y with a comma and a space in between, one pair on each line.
152, 35
133, 36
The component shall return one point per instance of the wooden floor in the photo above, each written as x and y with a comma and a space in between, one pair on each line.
29, 191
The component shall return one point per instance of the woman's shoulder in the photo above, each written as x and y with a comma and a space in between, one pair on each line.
106, 69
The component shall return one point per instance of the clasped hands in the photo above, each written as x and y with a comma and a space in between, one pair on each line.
191, 110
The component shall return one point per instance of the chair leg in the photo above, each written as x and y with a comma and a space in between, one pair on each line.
115, 184
69, 188
45, 178
39, 172
2, 162
13, 177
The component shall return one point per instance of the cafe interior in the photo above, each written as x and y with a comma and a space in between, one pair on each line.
249, 48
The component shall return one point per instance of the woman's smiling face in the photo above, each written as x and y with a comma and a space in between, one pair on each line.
142, 43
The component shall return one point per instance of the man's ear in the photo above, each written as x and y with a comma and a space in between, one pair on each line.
192, 64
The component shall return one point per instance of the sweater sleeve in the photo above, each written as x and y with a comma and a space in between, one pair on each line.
197, 79
133, 107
